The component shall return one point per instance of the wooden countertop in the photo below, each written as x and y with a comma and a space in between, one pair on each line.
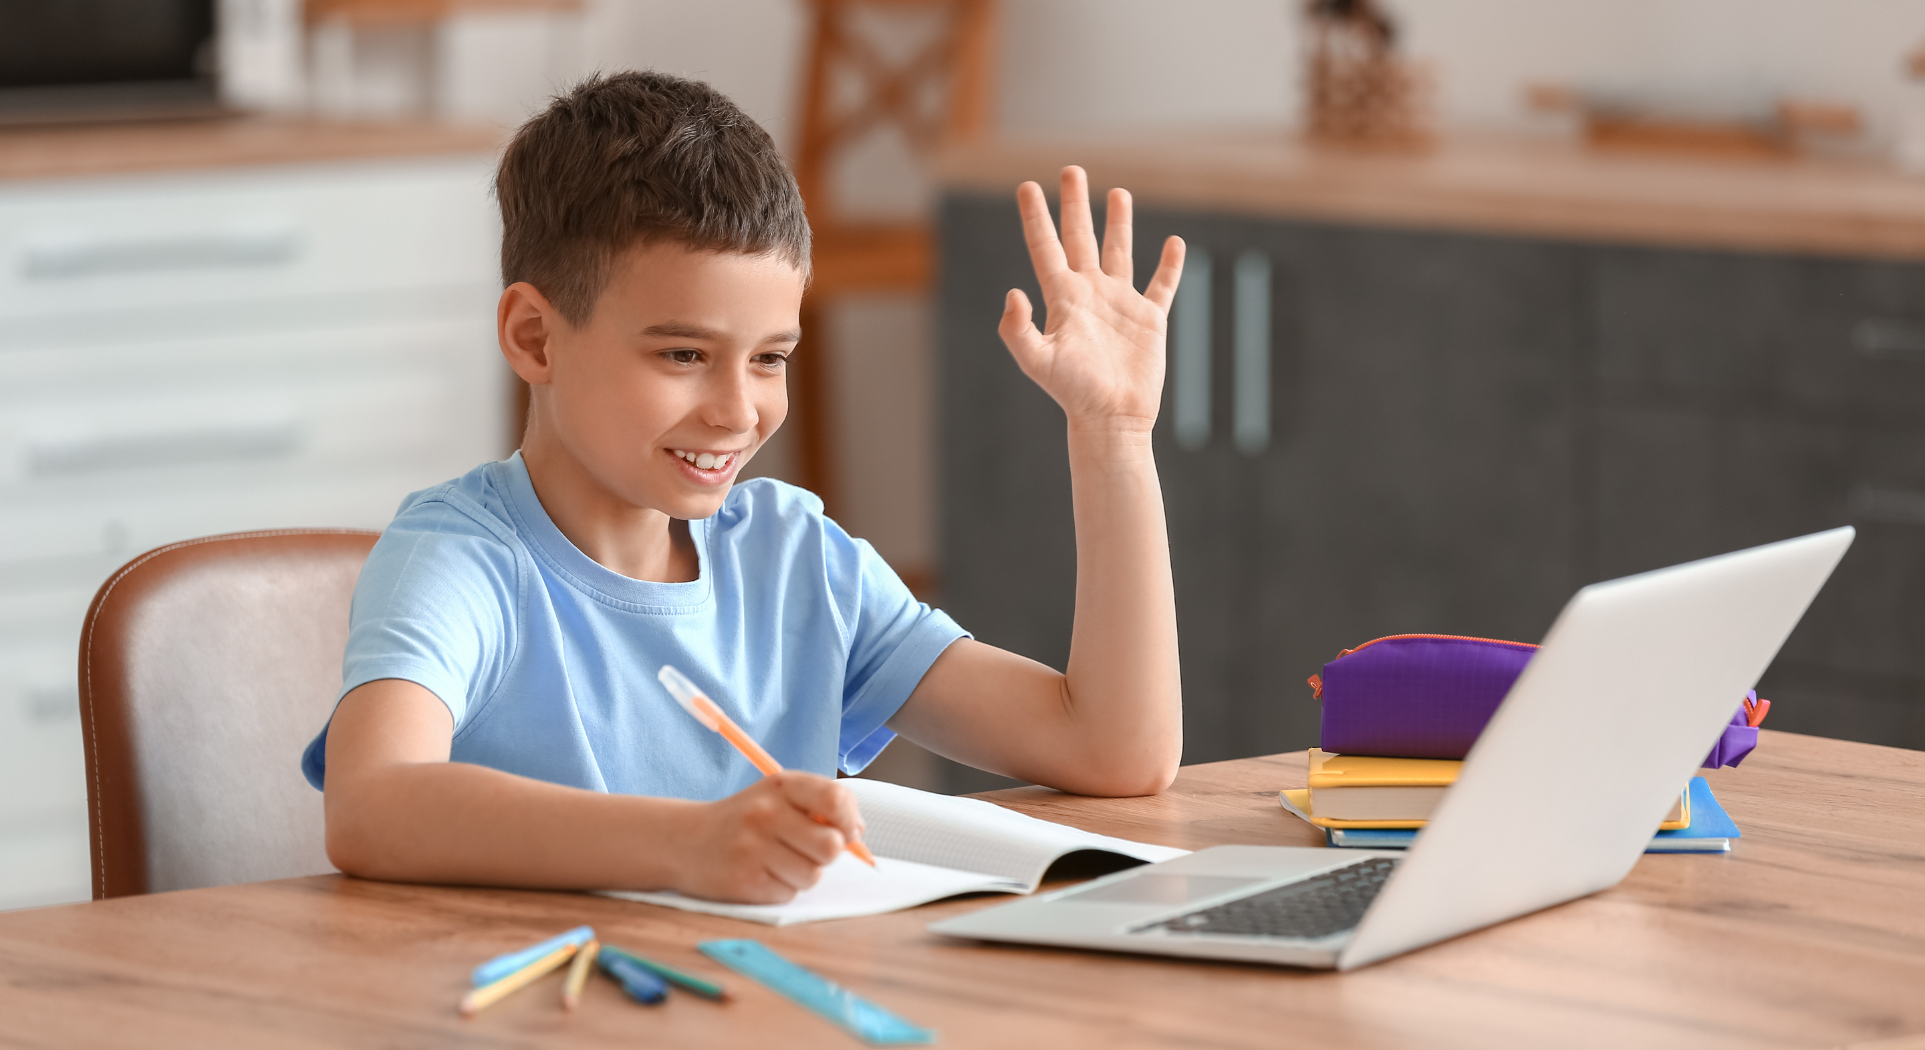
1806, 935
112, 149
1545, 189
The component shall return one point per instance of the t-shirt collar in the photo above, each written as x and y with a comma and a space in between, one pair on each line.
585, 573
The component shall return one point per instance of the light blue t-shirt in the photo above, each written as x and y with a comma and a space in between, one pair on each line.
547, 660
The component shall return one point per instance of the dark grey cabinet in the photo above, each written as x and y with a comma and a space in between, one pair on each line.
1746, 398
1462, 430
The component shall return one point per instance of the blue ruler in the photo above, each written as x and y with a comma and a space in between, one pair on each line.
870, 1023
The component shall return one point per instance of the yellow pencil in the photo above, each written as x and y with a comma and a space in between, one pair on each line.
584, 964
489, 994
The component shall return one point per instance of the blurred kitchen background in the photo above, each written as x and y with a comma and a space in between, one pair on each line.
1489, 299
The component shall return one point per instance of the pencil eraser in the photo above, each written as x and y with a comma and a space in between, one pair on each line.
686, 694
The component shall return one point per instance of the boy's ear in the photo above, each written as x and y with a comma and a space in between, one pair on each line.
526, 324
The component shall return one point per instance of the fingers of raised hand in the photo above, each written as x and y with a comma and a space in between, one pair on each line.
1019, 332
1117, 232
1079, 229
1045, 251
1169, 271
1018, 324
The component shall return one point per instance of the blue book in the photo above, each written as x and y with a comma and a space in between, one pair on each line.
1711, 830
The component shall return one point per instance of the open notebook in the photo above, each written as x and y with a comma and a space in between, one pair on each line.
927, 847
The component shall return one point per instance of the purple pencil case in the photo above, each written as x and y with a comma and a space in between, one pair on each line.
1430, 695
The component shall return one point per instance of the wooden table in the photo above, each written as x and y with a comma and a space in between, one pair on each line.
1811, 934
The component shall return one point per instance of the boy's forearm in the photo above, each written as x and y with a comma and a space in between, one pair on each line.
460, 823
1122, 686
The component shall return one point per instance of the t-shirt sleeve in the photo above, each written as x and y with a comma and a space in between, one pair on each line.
435, 605
893, 640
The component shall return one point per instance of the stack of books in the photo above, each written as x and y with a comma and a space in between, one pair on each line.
1371, 802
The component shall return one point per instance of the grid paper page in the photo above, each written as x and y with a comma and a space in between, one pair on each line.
972, 835
848, 888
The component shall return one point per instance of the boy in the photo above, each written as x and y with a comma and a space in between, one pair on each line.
500, 720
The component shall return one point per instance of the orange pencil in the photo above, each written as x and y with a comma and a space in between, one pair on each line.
706, 712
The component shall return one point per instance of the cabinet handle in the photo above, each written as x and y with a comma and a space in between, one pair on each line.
131, 451
1888, 506
67, 259
1250, 421
1190, 353
1889, 338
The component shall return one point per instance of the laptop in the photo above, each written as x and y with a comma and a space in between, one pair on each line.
1635, 681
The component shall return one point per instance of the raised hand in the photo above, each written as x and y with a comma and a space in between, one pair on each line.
1101, 356
1112, 722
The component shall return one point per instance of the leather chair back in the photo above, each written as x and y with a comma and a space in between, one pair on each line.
205, 667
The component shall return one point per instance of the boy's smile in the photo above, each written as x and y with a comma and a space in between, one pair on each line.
645, 413
709, 468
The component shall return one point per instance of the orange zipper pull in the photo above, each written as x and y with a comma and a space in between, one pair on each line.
1316, 686
1437, 637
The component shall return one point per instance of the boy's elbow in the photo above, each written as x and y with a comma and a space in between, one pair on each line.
1145, 776
348, 848
1153, 781
352, 845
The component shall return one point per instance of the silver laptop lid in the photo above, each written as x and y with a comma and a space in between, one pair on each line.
1604, 728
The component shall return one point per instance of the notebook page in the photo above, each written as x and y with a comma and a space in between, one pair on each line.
972, 835
848, 888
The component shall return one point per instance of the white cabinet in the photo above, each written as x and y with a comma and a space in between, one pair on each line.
194, 353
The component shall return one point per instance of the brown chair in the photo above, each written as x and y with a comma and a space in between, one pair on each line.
205, 667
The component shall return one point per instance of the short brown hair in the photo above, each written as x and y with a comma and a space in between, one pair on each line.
634, 158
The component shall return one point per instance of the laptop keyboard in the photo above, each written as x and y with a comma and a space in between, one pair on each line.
1315, 907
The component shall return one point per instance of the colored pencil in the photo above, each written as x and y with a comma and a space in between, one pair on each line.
578, 971
698, 985
502, 965
641, 983
488, 995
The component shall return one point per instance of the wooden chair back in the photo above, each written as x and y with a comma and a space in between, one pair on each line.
938, 96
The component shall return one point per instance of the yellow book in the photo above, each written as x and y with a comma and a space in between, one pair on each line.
1367, 791
1348, 771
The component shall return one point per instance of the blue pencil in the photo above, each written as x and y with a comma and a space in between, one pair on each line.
641, 983
502, 965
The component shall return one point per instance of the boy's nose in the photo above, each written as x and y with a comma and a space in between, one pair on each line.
731, 406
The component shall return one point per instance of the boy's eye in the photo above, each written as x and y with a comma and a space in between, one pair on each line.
683, 357
771, 360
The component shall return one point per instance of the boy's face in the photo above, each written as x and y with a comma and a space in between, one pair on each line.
678, 376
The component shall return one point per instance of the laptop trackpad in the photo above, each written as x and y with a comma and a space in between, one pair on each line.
1158, 888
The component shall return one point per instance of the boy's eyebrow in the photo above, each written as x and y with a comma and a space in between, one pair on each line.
681, 330
685, 330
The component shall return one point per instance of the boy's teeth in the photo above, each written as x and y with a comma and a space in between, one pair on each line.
707, 460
